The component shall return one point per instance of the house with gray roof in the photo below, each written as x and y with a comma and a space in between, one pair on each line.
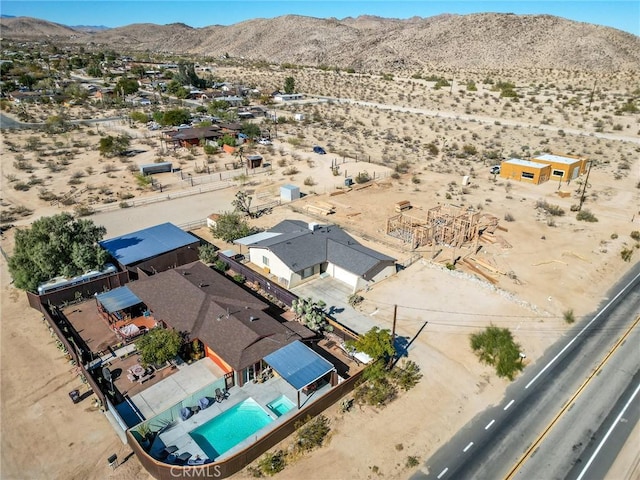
234, 326
294, 252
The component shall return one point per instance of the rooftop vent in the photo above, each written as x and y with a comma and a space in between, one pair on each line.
252, 318
313, 226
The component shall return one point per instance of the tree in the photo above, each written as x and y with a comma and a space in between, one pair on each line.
159, 346
231, 226
175, 117
376, 343
251, 130
496, 346
56, 246
113, 146
127, 86
311, 314
289, 85
242, 203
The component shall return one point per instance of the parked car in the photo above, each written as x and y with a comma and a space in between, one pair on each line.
495, 170
74, 395
319, 150
264, 141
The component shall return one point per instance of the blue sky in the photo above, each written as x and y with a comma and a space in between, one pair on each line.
624, 15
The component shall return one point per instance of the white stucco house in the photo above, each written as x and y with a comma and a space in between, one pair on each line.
294, 252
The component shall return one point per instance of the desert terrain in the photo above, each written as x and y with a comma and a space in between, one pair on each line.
417, 143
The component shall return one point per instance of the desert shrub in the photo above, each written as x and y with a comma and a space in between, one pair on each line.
355, 299
635, 235
586, 216
362, 177
407, 375
496, 347
415, 180
626, 254
395, 175
508, 217
568, 316
614, 236
272, 463
402, 167
83, 211
22, 186
210, 149
377, 392
411, 462
551, 209
309, 182
292, 170
450, 266
312, 433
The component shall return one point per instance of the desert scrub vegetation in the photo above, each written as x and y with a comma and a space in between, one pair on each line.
586, 216
549, 208
311, 433
495, 346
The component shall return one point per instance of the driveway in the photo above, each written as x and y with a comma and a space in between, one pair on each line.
336, 294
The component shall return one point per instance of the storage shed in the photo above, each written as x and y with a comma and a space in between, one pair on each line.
525, 171
289, 192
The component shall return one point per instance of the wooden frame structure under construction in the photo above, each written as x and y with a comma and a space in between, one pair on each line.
447, 225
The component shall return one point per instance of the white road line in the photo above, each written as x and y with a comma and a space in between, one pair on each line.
604, 439
443, 472
489, 425
602, 310
468, 447
508, 405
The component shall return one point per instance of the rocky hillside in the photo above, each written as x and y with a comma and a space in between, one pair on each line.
371, 43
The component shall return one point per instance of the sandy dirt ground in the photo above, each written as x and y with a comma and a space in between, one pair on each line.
543, 267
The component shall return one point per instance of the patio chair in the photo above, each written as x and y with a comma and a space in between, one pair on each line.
185, 413
220, 395
183, 458
132, 377
167, 451
204, 402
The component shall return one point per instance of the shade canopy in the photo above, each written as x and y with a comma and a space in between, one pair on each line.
298, 364
118, 299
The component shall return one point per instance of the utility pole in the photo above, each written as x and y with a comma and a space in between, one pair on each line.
584, 187
393, 332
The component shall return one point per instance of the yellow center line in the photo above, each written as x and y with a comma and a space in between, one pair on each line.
544, 433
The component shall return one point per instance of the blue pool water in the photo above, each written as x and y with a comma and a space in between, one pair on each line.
280, 405
228, 429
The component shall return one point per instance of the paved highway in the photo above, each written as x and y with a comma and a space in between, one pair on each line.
493, 442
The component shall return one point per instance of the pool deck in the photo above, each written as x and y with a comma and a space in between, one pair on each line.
262, 393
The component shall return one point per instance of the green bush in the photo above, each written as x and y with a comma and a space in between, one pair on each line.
568, 316
407, 375
239, 278
635, 235
207, 253
411, 462
221, 265
626, 254
496, 347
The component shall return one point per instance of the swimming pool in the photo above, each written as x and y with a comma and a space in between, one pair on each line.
228, 429
280, 405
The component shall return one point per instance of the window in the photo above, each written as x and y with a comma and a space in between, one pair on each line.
557, 173
265, 261
528, 175
307, 272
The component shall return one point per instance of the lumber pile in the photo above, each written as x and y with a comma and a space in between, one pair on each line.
476, 270
318, 209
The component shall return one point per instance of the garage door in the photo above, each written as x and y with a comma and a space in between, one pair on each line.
344, 276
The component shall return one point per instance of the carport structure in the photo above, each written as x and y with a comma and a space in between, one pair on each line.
301, 367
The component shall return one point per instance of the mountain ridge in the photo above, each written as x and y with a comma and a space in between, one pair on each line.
482, 40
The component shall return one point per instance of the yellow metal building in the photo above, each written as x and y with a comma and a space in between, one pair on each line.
525, 171
563, 167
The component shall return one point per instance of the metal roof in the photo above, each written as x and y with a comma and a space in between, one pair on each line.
526, 163
147, 243
298, 364
118, 299
256, 237
548, 157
